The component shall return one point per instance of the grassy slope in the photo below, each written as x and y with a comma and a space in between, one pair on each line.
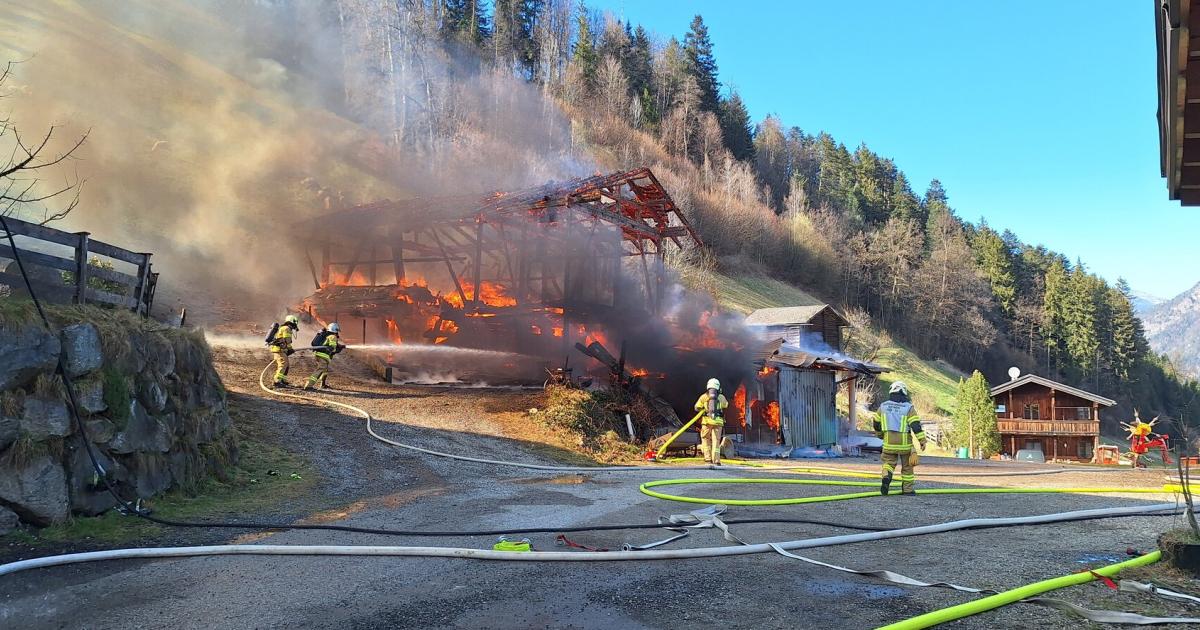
934, 384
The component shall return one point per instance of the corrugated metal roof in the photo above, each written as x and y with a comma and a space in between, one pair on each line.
778, 353
788, 315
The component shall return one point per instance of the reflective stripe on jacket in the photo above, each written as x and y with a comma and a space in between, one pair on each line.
894, 422
329, 348
282, 340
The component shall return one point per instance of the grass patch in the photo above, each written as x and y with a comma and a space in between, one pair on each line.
116, 396
12, 403
248, 489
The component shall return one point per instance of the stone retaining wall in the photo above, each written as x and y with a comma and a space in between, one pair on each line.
151, 404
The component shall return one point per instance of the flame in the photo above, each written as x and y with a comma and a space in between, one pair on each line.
766, 370
639, 372
594, 335
537, 330
356, 279
772, 415
393, 331
490, 293
557, 330
737, 406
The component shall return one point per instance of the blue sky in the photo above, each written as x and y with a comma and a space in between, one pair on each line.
1039, 116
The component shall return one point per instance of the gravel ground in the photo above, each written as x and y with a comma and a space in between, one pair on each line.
381, 486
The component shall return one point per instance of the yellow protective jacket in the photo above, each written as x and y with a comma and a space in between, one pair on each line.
283, 339
330, 347
719, 418
894, 422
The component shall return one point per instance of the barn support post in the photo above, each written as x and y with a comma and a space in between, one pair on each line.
398, 258
312, 269
478, 260
851, 387
1053, 406
449, 266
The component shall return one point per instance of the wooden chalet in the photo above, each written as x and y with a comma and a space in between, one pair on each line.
1179, 97
1040, 414
800, 325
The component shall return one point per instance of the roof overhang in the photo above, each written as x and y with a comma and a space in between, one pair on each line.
1055, 385
777, 353
1179, 98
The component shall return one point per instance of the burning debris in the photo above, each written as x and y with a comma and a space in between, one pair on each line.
537, 272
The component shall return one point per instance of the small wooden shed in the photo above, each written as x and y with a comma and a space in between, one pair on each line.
792, 400
800, 325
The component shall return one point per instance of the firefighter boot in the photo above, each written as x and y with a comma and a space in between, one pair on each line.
887, 481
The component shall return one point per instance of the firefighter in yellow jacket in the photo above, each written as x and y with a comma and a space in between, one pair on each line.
896, 419
712, 405
325, 345
281, 348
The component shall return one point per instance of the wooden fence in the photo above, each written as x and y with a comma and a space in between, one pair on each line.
95, 272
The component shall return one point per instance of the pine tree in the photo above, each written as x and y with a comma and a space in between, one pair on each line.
735, 127
974, 423
1128, 338
1054, 305
935, 204
465, 21
638, 64
1079, 322
512, 41
996, 262
771, 159
585, 58
905, 205
702, 65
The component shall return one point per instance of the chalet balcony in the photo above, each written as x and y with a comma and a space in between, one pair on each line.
1048, 427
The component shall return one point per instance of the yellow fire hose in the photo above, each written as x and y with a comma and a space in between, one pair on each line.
1017, 594
645, 488
660, 454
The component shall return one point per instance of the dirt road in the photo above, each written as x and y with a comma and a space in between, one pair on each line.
379, 486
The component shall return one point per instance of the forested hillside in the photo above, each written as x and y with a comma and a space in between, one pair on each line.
1173, 328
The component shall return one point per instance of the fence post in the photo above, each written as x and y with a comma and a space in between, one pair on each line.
81, 268
139, 292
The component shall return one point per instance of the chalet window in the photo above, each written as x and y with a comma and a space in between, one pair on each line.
1083, 413
1033, 446
1033, 412
1085, 449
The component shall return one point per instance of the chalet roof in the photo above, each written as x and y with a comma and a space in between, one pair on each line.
778, 352
786, 315
1055, 385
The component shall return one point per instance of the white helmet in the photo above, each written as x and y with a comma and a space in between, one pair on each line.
713, 384
291, 319
898, 386
334, 328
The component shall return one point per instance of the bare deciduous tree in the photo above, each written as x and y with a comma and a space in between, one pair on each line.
23, 173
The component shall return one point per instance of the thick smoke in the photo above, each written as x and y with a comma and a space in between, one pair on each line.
213, 122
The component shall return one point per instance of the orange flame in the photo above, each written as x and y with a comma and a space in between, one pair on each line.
766, 370
393, 331
737, 406
537, 330
557, 330
772, 415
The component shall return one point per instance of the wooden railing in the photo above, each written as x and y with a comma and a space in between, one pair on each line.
95, 272
1048, 427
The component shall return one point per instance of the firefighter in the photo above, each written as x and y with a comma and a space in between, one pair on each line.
896, 418
281, 348
712, 405
325, 345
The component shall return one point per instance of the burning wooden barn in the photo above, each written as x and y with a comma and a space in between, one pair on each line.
531, 271
791, 400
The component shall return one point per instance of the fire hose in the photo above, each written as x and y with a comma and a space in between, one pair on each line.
583, 556
645, 488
